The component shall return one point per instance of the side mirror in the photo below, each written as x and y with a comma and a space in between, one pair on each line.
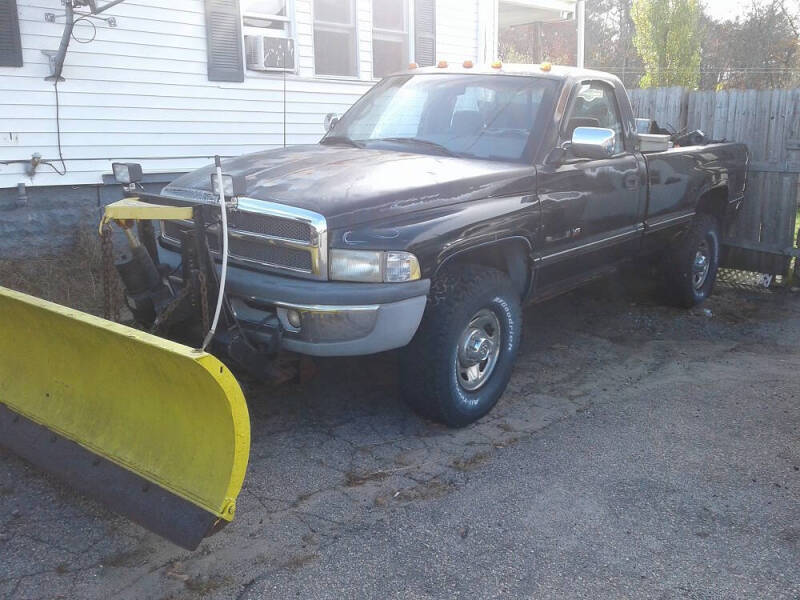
331, 119
595, 143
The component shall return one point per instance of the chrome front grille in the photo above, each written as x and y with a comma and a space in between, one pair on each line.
266, 253
270, 225
266, 235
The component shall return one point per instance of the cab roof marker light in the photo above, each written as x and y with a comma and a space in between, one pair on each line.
497, 64
412, 66
546, 67
442, 64
468, 64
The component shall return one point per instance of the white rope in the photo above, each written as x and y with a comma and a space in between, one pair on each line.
224, 272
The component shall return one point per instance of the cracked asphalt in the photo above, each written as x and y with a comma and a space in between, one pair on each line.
640, 452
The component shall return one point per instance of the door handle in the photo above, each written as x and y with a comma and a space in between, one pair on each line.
632, 182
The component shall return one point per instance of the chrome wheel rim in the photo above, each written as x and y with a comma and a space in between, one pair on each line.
701, 265
478, 350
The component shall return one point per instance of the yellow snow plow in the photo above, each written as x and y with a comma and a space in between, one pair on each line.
157, 430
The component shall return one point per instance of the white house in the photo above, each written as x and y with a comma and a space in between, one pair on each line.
171, 84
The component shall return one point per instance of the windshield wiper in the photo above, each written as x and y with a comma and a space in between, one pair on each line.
418, 142
341, 139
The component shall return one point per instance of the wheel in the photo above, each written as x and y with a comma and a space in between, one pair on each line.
692, 263
459, 362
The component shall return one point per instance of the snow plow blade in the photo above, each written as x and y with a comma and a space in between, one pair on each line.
155, 430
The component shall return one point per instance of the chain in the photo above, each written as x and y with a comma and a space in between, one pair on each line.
797, 264
110, 307
204, 301
167, 312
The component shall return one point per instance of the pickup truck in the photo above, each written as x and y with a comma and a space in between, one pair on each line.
441, 203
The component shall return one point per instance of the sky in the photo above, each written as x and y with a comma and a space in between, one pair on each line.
730, 9
726, 9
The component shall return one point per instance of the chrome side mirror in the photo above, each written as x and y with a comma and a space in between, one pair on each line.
595, 143
331, 119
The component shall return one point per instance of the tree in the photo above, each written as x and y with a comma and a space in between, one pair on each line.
760, 50
537, 42
609, 40
668, 41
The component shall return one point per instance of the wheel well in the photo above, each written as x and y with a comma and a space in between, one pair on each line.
509, 256
714, 203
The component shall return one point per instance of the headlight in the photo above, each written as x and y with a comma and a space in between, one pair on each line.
127, 173
372, 266
356, 265
232, 185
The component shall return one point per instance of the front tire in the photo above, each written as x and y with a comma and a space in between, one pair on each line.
460, 361
693, 262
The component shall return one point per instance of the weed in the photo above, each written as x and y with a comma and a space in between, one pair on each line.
73, 277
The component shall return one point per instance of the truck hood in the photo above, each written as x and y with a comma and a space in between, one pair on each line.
349, 186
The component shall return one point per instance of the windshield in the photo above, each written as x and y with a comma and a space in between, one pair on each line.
481, 116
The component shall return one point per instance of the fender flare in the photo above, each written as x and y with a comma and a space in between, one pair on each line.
518, 262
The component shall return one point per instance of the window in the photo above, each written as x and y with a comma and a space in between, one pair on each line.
397, 113
495, 117
335, 46
389, 36
268, 37
266, 17
595, 106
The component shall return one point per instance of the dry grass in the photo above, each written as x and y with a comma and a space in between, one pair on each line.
73, 277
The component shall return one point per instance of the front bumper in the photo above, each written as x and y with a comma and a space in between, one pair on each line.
337, 318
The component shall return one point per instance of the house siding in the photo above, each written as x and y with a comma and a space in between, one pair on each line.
457, 30
140, 91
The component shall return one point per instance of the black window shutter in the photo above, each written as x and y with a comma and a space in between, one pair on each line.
224, 37
425, 32
10, 46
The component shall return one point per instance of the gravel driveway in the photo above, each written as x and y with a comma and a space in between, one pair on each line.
640, 452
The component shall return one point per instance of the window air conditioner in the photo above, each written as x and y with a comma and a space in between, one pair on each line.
269, 53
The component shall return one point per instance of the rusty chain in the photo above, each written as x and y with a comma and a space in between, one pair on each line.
186, 290
110, 306
204, 302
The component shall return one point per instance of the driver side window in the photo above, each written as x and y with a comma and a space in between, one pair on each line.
595, 106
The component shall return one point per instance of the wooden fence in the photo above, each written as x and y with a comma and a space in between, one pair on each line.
768, 121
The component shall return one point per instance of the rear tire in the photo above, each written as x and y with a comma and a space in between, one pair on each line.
460, 361
693, 262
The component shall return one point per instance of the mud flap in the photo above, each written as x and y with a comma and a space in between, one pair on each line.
157, 431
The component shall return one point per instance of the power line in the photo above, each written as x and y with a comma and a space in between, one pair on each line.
754, 70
